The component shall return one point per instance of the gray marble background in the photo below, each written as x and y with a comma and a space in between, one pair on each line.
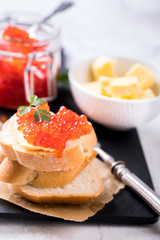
128, 28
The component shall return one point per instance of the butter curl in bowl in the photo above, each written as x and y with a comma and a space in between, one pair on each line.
119, 93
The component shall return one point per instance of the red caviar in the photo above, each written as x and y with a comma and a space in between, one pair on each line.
17, 33
64, 125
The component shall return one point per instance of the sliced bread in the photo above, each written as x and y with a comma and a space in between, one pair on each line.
85, 187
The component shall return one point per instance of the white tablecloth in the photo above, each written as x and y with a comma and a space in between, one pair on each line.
92, 28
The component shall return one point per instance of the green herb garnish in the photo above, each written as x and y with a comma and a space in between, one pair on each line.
35, 101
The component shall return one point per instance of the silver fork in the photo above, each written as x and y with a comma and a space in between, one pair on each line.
119, 169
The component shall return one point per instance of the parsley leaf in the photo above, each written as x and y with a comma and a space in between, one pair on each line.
36, 117
24, 110
45, 118
43, 114
35, 101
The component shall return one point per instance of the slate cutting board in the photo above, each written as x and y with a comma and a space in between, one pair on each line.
127, 207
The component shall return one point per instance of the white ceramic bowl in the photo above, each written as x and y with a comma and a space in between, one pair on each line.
111, 112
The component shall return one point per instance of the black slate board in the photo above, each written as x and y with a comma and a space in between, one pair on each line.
127, 207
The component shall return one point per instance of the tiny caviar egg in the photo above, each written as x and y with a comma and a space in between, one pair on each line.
63, 126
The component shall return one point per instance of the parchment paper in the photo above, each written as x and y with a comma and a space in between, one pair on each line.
69, 212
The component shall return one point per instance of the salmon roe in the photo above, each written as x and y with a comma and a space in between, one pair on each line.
64, 125
17, 33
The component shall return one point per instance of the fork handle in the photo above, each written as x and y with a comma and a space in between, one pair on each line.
132, 181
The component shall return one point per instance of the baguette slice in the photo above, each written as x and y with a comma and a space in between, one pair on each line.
41, 160
13, 172
85, 187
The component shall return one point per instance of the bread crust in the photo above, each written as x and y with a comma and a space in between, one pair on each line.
41, 160
13, 172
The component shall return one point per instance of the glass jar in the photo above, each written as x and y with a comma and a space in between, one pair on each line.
28, 68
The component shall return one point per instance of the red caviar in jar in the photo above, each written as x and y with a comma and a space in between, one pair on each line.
65, 125
12, 92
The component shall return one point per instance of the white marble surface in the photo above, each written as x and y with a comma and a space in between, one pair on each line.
94, 27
